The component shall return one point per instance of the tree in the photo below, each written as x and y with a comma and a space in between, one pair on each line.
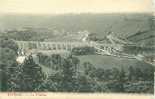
57, 61
148, 74
52, 83
118, 85
121, 80
88, 68
69, 72
108, 74
131, 76
85, 83
65, 78
99, 73
8, 53
8, 43
115, 73
138, 74
32, 76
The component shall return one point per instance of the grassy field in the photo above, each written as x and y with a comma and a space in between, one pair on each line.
107, 62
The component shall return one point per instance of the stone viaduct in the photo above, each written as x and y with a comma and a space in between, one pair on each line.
66, 46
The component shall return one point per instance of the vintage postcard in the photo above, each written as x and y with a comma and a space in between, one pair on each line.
71, 49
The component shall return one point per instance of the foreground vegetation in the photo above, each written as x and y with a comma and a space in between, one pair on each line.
66, 76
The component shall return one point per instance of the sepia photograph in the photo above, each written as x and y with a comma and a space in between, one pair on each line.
77, 46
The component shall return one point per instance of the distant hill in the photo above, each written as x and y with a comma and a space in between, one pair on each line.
123, 25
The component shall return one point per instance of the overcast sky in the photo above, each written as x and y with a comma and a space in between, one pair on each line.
74, 6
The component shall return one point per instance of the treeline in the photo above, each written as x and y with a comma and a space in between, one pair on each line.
83, 51
27, 34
